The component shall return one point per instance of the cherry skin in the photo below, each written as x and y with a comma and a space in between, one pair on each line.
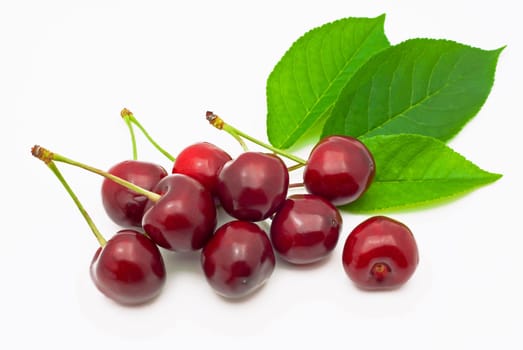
253, 186
305, 229
380, 253
184, 217
340, 169
123, 206
129, 269
202, 161
238, 259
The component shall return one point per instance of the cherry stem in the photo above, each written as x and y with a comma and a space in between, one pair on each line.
219, 124
47, 156
240, 140
133, 138
129, 118
295, 167
296, 185
101, 240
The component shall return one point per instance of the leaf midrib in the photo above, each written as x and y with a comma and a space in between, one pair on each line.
488, 176
325, 91
405, 112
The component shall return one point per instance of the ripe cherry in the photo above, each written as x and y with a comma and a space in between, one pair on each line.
184, 217
305, 229
126, 207
129, 268
202, 161
380, 253
180, 215
253, 186
238, 259
340, 169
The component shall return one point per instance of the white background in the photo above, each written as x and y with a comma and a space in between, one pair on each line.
67, 68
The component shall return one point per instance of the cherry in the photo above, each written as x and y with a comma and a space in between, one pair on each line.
124, 206
380, 253
129, 268
238, 259
180, 217
201, 161
305, 229
184, 217
253, 186
340, 169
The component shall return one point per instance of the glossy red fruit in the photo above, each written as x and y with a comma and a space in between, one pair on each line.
184, 218
122, 205
129, 269
340, 169
305, 229
380, 253
202, 161
238, 259
253, 186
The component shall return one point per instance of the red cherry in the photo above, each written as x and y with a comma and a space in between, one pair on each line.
380, 253
129, 269
184, 217
202, 161
253, 186
238, 259
305, 229
126, 207
340, 169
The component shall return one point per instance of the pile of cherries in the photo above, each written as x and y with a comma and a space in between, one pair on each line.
178, 212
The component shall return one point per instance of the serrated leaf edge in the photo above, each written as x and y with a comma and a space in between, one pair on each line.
326, 132
291, 138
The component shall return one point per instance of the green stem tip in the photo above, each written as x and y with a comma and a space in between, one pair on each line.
125, 113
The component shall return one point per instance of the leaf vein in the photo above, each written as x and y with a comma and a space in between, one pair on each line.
331, 83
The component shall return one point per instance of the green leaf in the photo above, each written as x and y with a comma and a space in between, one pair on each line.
415, 170
306, 82
421, 86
